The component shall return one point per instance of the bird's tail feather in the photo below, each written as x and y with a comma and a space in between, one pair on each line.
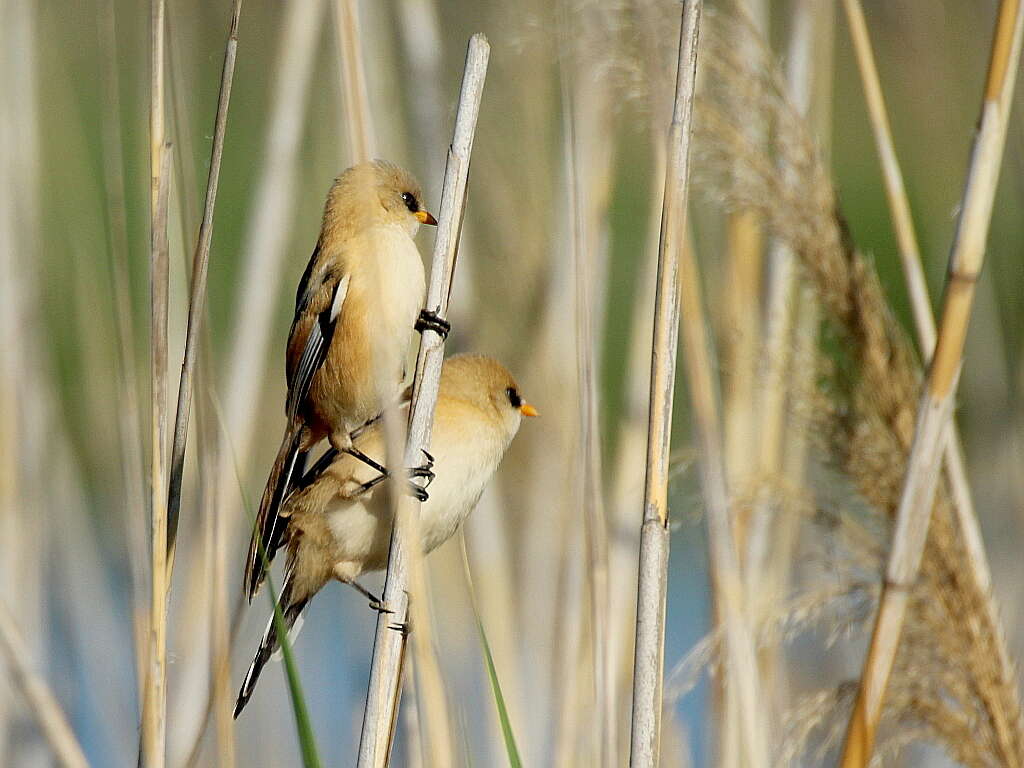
290, 611
268, 528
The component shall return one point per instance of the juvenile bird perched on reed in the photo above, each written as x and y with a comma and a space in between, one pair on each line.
338, 526
355, 309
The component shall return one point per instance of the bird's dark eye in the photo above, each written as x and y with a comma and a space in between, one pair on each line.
410, 201
513, 397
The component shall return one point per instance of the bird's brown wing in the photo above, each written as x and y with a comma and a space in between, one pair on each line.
318, 308
318, 302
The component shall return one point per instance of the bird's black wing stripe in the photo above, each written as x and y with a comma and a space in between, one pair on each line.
302, 293
315, 351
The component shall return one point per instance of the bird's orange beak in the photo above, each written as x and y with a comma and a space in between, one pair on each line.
424, 217
528, 410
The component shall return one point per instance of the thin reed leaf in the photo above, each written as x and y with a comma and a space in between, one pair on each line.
303, 726
197, 301
307, 742
511, 749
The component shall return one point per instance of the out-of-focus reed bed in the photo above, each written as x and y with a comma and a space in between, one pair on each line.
817, 376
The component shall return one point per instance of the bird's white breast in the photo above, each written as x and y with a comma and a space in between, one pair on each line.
397, 288
464, 464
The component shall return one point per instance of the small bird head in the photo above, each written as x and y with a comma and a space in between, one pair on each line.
487, 384
377, 192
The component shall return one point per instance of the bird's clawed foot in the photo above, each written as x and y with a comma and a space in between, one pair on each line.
431, 321
376, 603
405, 628
418, 493
424, 470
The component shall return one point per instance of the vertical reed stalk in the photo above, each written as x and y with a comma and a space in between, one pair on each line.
389, 642
154, 705
645, 737
435, 727
154, 711
38, 695
358, 117
197, 301
913, 273
965, 263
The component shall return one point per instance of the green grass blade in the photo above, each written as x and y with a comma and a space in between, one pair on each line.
499, 699
307, 742
303, 727
511, 750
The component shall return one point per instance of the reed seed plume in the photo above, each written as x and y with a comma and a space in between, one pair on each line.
949, 669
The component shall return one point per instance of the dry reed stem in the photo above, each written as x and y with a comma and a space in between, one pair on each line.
358, 116
197, 301
913, 272
389, 643
648, 665
154, 711
877, 383
154, 726
424, 673
37, 693
626, 492
915, 510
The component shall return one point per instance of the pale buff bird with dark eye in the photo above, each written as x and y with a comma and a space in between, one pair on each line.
338, 526
355, 310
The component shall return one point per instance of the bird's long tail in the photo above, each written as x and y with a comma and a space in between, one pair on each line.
291, 608
268, 528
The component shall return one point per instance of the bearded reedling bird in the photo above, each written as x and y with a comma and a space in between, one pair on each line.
339, 525
355, 309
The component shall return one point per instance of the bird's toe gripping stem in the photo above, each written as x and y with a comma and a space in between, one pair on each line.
431, 321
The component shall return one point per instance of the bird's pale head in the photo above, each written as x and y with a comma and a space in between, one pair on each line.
487, 384
375, 193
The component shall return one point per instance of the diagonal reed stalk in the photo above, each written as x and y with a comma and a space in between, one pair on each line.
678, 282
913, 272
934, 410
389, 642
38, 695
197, 301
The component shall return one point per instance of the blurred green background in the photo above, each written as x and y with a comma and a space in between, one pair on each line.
77, 81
